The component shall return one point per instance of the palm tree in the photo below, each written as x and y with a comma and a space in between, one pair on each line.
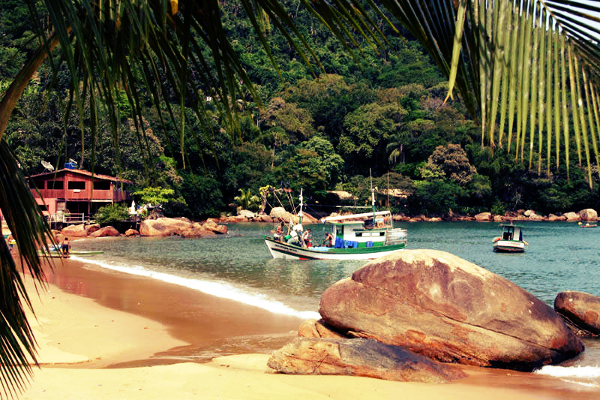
246, 200
111, 46
395, 147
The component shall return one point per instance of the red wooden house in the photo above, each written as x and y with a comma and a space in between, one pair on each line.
76, 192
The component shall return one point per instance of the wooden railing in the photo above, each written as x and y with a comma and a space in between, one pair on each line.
67, 219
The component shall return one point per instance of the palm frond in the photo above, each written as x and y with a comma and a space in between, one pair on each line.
497, 63
30, 231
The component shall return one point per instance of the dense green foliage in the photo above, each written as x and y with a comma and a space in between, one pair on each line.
110, 214
379, 114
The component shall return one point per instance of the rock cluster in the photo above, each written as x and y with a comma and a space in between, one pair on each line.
150, 227
587, 214
435, 305
277, 214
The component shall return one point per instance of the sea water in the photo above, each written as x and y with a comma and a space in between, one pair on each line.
560, 256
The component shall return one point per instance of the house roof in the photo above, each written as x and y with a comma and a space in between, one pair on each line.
81, 172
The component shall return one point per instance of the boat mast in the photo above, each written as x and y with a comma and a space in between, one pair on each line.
372, 196
300, 214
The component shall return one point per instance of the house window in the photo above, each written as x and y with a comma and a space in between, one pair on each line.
59, 185
36, 184
102, 185
43, 207
74, 185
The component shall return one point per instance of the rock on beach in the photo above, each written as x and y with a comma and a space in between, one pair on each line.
80, 230
105, 231
359, 357
581, 309
448, 309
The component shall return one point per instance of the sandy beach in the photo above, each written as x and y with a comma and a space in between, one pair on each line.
108, 335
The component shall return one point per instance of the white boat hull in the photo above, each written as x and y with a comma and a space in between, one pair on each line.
509, 246
293, 252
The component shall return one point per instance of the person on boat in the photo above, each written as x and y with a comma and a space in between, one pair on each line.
307, 238
279, 232
328, 240
293, 237
65, 246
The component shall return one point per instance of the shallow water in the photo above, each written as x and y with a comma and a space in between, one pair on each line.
561, 256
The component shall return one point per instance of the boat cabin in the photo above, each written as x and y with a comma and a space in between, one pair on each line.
365, 230
511, 232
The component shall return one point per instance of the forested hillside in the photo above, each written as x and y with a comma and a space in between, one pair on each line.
322, 128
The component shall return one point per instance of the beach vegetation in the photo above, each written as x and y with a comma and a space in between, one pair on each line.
247, 201
112, 213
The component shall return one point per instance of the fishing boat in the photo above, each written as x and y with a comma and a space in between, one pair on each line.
511, 240
587, 225
363, 236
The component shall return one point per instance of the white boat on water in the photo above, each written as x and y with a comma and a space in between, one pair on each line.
511, 240
363, 236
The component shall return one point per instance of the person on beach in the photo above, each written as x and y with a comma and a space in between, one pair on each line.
65, 246
11, 241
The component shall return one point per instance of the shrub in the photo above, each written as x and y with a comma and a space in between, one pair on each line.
110, 214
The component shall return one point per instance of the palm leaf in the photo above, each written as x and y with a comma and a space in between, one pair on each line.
30, 231
537, 27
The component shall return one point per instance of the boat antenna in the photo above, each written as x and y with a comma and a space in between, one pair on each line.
300, 214
372, 195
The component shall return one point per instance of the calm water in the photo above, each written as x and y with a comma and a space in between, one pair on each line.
561, 256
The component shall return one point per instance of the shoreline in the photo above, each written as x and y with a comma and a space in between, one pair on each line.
200, 322
110, 335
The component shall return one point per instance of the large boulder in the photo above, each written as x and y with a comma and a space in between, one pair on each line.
164, 226
196, 230
265, 218
211, 225
589, 214
359, 357
446, 308
582, 309
105, 231
484, 216
131, 232
553, 217
536, 217
80, 230
571, 216
250, 215
312, 328
280, 214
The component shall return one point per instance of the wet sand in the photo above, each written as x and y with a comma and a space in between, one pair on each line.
109, 335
